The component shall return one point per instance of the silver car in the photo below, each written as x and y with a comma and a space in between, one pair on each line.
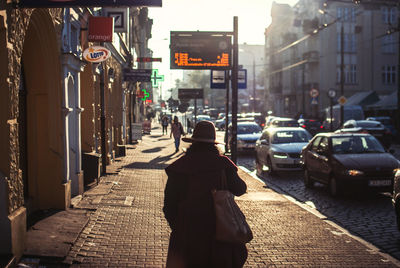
278, 149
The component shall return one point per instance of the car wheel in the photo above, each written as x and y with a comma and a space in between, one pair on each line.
269, 165
308, 182
334, 189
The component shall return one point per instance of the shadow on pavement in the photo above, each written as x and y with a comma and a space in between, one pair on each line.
152, 150
156, 163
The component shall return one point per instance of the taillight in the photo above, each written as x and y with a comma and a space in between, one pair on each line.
303, 126
321, 127
262, 125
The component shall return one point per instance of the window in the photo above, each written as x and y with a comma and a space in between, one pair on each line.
350, 74
388, 74
389, 15
315, 143
388, 44
339, 12
353, 14
323, 148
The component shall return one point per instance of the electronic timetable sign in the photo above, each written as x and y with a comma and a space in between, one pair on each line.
201, 50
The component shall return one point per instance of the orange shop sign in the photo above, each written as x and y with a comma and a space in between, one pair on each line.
96, 54
101, 29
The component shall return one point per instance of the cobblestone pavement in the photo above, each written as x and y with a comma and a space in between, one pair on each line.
369, 216
127, 228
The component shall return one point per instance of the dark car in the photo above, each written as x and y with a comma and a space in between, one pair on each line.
374, 128
344, 160
311, 125
396, 197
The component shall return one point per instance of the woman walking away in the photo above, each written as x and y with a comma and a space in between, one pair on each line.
177, 131
164, 124
189, 208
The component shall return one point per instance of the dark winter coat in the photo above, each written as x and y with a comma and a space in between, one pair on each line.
189, 210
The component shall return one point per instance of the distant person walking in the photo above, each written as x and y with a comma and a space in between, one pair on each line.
164, 124
177, 131
189, 208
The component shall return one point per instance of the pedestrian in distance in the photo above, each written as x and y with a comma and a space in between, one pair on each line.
164, 124
177, 131
188, 204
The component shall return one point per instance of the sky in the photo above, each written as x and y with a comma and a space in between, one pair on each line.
206, 15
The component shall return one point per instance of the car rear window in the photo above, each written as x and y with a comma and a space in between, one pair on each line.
290, 137
248, 129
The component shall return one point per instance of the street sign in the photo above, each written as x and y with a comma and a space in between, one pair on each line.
137, 75
217, 79
96, 54
332, 93
85, 3
342, 100
101, 29
201, 50
190, 93
242, 79
120, 16
314, 93
314, 101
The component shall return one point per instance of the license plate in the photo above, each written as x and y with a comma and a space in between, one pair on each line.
296, 162
379, 182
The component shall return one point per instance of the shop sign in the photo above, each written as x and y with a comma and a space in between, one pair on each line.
96, 54
101, 29
86, 3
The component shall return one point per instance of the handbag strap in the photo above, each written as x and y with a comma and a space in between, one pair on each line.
224, 183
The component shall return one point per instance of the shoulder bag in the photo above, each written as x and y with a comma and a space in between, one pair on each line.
231, 225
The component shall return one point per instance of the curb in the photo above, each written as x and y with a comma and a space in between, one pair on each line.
371, 248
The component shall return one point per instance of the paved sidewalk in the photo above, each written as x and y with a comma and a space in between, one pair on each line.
126, 226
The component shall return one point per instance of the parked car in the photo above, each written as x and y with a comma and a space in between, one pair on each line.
283, 122
374, 128
278, 149
247, 135
203, 117
311, 125
396, 197
386, 122
348, 161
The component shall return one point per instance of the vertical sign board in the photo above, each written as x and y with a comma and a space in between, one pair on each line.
201, 50
217, 79
137, 130
85, 3
242, 79
120, 16
101, 29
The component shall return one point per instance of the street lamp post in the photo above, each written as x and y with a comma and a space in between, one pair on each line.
254, 78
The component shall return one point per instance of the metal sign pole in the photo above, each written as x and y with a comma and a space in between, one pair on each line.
103, 121
234, 90
331, 102
227, 79
195, 111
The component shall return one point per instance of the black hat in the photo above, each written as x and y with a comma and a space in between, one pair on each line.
204, 131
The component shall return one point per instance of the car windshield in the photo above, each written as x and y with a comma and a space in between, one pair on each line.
248, 129
356, 145
290, 136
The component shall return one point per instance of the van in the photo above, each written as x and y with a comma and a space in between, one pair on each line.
350, 112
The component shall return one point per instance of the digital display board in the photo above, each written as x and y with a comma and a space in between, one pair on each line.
201, 50
86, 3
